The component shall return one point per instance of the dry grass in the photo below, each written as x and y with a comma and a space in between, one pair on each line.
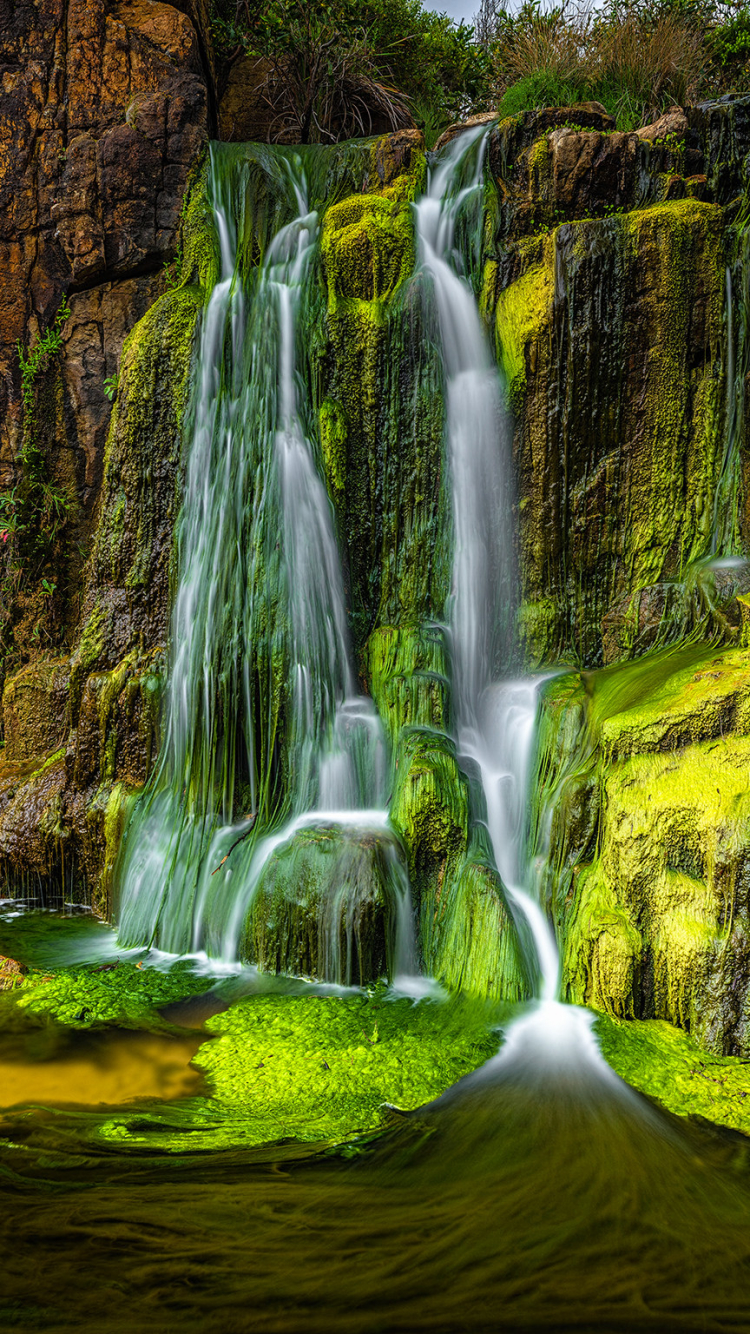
635, 64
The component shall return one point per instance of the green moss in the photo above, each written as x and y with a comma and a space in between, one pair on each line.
332, 427
126, 995
430, 809
602, 948
523, 309
325, 1068
88, 652
201, 263
686, 236
704, 695
367, 248
473, 945
407, 670
321, 909
668, 1065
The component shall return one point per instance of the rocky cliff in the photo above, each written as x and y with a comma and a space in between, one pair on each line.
613, 272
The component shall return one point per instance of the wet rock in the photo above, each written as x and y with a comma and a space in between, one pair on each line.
35, 710
396, 154
106, 109
591, 171
325, 908
460, 127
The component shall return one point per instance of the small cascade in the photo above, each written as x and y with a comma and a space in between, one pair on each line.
495, 719
725, 540
263, 702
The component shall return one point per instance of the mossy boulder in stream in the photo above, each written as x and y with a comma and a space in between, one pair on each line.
324, 907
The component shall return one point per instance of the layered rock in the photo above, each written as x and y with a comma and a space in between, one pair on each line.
106, 113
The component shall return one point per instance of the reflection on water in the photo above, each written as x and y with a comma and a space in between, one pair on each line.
56, 1066
507, 1204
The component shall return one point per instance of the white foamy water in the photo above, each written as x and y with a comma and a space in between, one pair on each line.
495, 720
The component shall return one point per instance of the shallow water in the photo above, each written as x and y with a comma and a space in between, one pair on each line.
498, 1207
538, 1193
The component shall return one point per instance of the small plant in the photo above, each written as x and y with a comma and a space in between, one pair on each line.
172, 272
110, 386
38, 357
48, 588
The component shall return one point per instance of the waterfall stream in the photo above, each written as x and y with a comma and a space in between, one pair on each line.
495, 719
258, 562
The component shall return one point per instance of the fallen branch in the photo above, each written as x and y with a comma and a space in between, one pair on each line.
252, 819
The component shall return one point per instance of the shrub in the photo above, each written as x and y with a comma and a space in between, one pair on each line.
637, 58
337, 68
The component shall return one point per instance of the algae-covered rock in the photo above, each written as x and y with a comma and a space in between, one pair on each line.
653, 909
473, 945
325, 907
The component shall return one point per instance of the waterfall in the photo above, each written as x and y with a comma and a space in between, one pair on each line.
495, 719
259, 634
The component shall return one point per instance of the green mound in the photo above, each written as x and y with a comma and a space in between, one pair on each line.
324, 1067
124, 995
665, 1063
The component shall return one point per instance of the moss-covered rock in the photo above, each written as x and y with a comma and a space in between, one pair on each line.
323, 908
612, 337
651, 893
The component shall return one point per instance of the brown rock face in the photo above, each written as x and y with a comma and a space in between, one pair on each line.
104, 109
675, 122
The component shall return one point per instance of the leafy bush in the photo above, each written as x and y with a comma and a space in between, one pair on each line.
637, 58
336, 68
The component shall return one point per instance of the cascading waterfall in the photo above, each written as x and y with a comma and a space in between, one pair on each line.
260, 606
495, 720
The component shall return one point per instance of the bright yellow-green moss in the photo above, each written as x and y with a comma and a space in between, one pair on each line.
333, 444
473, 947
523, 310
125, 995
325, 1068
407, 676
602, 947
367, 247
668, 1065
679, 245
708, 696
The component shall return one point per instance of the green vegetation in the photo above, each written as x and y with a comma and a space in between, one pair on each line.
668, 1065
636, 58
124, 994
335, 69
325, 1067
35, 511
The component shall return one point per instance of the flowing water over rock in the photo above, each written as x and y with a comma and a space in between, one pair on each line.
539, 1191
260, 619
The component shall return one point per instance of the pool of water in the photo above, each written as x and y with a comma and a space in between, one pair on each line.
537, 1194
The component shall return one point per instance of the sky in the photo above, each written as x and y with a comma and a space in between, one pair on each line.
456, 9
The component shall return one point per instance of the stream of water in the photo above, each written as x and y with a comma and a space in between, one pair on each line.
244, 567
